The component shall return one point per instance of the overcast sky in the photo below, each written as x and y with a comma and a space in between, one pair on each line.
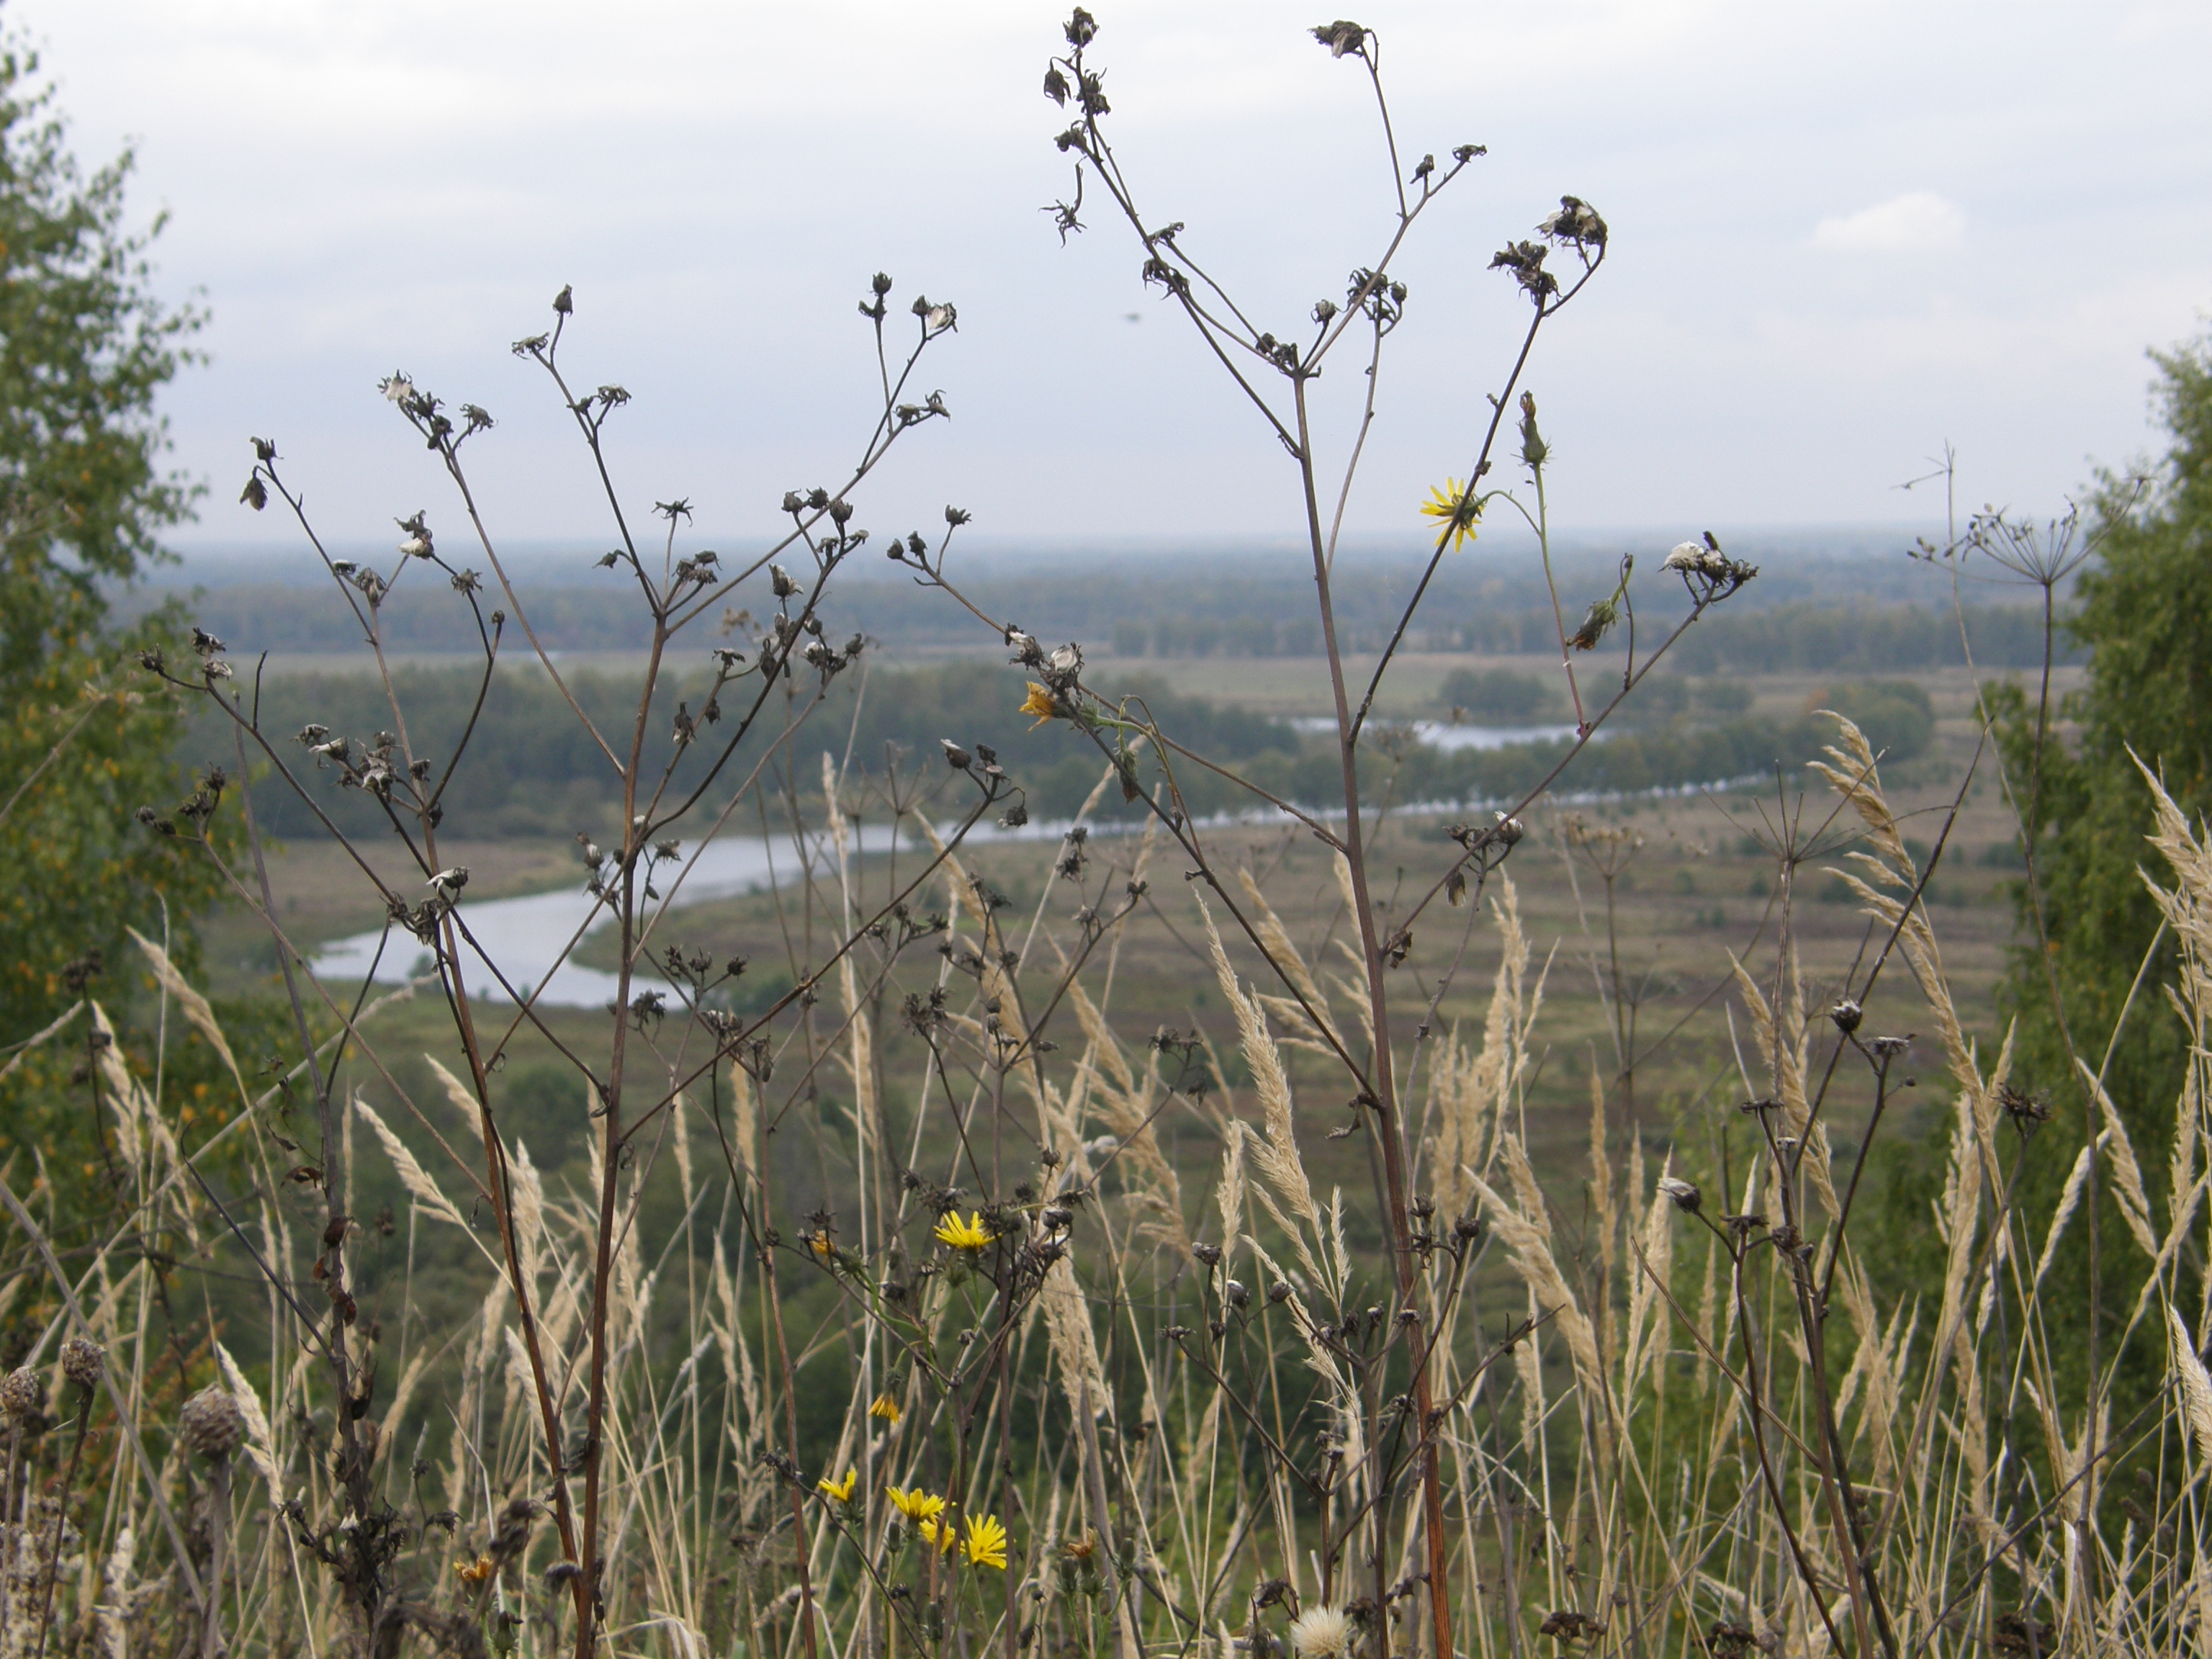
1843, 235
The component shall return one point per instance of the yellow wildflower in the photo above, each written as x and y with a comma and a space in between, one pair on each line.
476, 1571
887, 1409
940, 1533
1458, 507
822, 1247
840, 1491
1039, 702
916, 1505
970, 1235
985, 1543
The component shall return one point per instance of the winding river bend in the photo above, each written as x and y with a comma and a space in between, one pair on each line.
528, 935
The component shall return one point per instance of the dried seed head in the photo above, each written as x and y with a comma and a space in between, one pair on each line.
1208, 1254
23, 1395
1321, 1633
84, 1360
1846, 1014
211, 1424
1683, 1194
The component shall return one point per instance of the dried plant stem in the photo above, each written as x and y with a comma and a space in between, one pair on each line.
85, 1397
212, 1645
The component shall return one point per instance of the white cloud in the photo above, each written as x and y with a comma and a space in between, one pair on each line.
1918, 221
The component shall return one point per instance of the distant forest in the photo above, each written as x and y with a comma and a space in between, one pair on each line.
531, 770
1811, 612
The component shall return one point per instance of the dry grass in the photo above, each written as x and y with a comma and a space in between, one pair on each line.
1640, 1463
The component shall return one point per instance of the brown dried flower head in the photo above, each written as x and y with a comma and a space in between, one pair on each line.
84, 1360
23, 1395
211, 1423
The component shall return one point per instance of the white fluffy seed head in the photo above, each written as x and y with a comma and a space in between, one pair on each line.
1321, 1634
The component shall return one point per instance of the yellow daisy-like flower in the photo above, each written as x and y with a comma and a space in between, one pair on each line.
1039, 702
942, 1534
970, 1235
1459, 509
985, 1543
841, 1491
887, 1409
476, 1571
916, 1505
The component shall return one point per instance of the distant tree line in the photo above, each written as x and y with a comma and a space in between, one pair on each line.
1231, 614
1866, 639
532, 771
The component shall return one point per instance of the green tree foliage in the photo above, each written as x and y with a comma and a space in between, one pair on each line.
1497, 694
85, 347
2145, 616
2086, 924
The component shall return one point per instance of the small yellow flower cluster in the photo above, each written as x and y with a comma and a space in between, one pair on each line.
984, 1544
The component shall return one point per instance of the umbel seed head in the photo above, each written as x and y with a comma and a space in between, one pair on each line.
211, 1423
23, 1395
84, 1360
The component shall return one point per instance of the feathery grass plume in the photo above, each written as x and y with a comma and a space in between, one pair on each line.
745, 1121
1277, 1150
1656, 1268
126, 1099
1536, 1211
2183, 1188
1480, 1084
28, 1046
1876, 1369
2070, 1199
1228, 1192
195, 1007
1530, 1243
1853, 775
1602, 1220
2188, 906
527, 1212
1275, 940
260, 1446
1073, 1342
2127, 1174
1105, 1047
1139, 1162
2196, 1386
1917, 940
402, 1396
1708, 1308
519, 1375
1353, 986
1059, 1116
426, 1193
462, 1097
